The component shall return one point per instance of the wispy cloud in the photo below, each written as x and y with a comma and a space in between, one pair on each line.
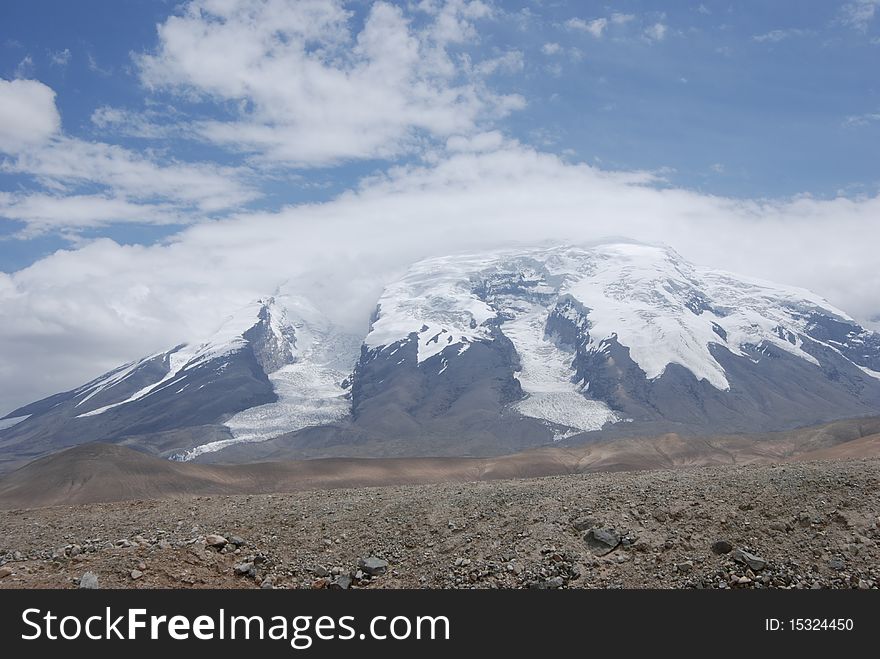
857, 120
60, 57
25, 68
594, 27
775, 36
97, 68
621, 19
41, 212
513, 61
859, 14
119, 121
63, 162
656, 32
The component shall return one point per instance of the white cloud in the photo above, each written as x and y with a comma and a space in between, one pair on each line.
703, 9
490, 141
28, 115
551, 48
64, 161
858, 120
513, 61
621, 19
453, 19
25, 68
61, 57
594, 27
45, 212
97, 68
717, 168
308, 91
656, 32
120, 121
859, 14
134, 186
775, 36
78, 312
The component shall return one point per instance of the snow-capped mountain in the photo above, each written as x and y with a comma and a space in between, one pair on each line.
308, 385
629, 332
265, 371
484, 353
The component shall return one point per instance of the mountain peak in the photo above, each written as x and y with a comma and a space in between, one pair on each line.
487, 352
649, 299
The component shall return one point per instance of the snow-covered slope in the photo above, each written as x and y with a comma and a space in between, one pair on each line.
271, 367
277, 347
308, 389
663, 309
566, 310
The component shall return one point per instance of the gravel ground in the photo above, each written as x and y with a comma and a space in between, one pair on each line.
808, 525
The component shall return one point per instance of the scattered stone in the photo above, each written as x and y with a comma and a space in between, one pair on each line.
601, 541
495, 544
754, 562
343, 582
373, 565
722, 547
236, 541
88, 581
836, 563
215, 541
267, 584
555, 582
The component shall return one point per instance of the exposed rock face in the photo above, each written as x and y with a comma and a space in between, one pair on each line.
272, 341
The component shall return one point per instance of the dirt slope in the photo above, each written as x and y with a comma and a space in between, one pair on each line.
102, 472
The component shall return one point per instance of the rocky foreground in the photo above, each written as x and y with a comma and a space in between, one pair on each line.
801, 525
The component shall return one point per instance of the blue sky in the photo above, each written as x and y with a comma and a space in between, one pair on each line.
746, 99
162, 163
